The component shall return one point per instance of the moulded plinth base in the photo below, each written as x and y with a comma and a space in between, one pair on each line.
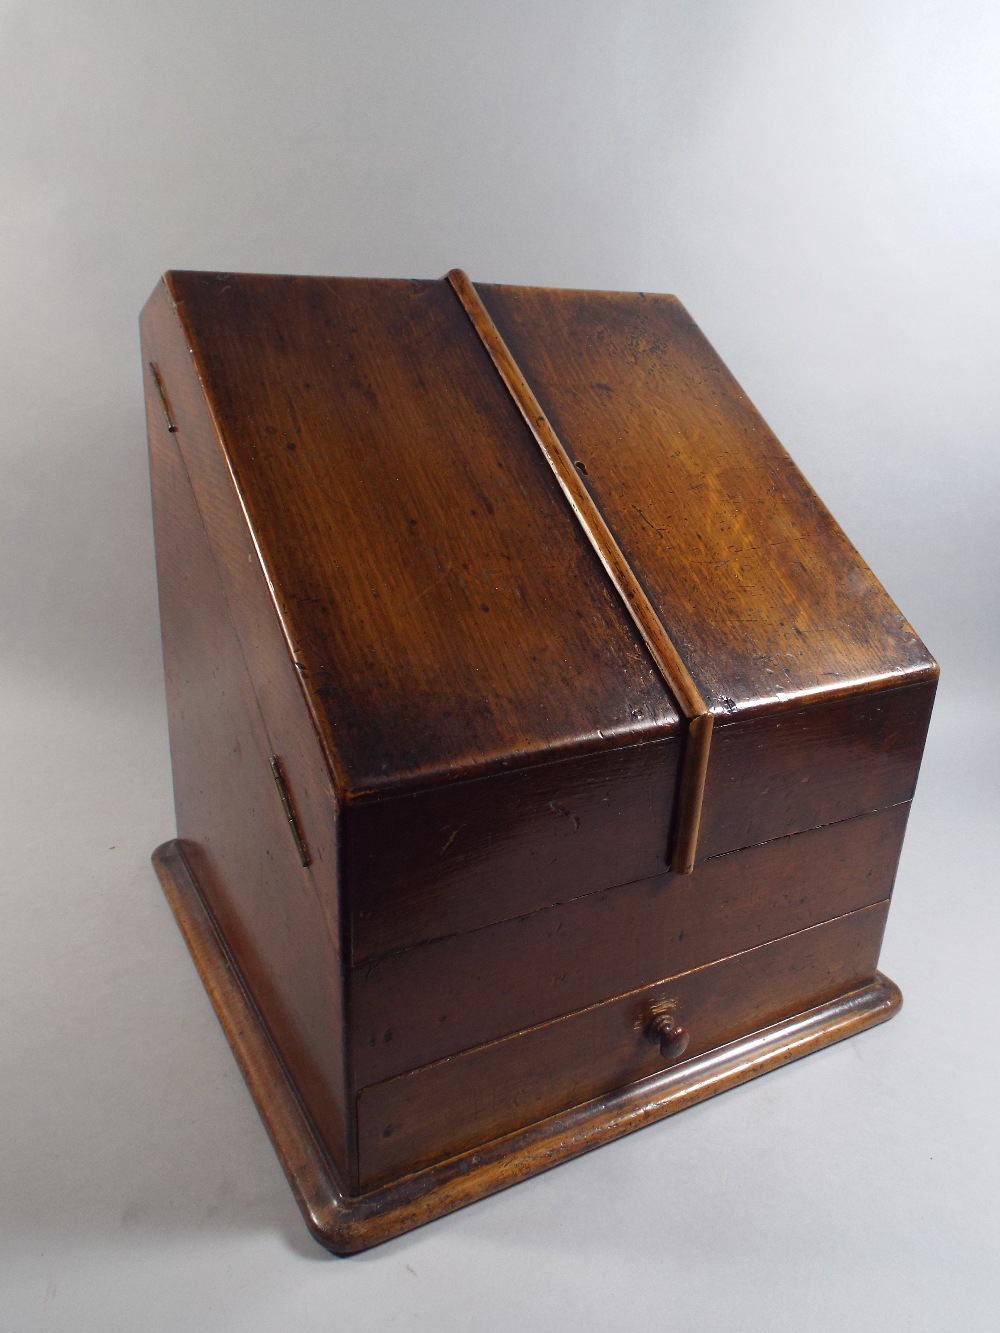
346, 1224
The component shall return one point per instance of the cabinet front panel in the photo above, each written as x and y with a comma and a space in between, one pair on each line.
420, 1005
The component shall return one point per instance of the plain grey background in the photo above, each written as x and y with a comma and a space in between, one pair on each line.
820, 183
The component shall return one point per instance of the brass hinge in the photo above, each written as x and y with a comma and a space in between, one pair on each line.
289, 809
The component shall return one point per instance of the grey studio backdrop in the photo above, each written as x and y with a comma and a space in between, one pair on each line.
820, 184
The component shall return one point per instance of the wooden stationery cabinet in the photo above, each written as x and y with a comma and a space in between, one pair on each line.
542, 748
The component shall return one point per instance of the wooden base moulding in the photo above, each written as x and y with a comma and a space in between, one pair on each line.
346, 1224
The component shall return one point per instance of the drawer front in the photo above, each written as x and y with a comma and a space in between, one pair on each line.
455, 1104
411, 1008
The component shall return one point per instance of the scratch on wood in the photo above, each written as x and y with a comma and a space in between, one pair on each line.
658, 531
434, 583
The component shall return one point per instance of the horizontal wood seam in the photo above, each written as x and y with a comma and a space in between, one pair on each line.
374, 960
694, 767
616, 999
787, 705
347, 1223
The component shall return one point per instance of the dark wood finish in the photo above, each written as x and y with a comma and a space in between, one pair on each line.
446, 614
346, 1224
267, 904
410, 1008
448, 1107
285, 707
666, 1033
255, 331
798, 770
634, 601
764, 597
455, 858
423, 592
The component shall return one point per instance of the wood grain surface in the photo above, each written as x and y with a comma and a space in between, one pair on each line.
408, 1009
444, 611
347, 1222
477, 1096
766, 600
439, 862
669, 662
795, 770
429, 769
229, 816
450, 859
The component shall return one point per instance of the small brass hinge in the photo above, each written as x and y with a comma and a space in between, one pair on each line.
286, 805
164, 402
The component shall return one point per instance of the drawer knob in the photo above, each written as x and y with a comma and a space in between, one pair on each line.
668, 1034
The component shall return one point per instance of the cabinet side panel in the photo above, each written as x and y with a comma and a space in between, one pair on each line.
229, 813
266, 655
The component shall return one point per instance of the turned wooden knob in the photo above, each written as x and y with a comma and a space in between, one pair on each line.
668, 1034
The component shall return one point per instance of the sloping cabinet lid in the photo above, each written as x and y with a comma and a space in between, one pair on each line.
765, 599
453, 605
445, 612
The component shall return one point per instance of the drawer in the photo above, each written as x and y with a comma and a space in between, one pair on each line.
420, 1005
458, 1103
